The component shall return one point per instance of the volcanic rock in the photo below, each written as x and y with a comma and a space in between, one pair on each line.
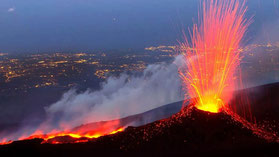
190, 132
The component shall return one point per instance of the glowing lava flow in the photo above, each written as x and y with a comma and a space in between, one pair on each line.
214, 56
66, 133
74, 135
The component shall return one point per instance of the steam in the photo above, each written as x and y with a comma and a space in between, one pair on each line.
119, 97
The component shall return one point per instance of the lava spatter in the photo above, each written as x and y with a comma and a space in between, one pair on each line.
213, 57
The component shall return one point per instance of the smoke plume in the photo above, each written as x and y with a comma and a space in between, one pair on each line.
118, 97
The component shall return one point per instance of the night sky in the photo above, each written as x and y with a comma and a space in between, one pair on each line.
87, 25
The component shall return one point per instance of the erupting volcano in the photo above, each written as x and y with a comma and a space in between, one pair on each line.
213, 56
206, 124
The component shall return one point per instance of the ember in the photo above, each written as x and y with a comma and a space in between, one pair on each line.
214, 56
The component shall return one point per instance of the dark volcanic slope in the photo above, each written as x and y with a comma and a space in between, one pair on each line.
138, 119
190, 132
263, 101
195, 134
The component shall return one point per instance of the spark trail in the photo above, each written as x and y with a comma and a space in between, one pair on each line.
213, 56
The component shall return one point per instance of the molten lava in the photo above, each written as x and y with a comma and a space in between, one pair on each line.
212, 58
77, 137
210, 107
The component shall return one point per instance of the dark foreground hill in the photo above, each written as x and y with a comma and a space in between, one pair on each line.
263, 102
190, 132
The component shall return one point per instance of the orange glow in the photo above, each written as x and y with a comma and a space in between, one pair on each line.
116, 131
75, 135
212, 58
210, 107
79, 134
4, 142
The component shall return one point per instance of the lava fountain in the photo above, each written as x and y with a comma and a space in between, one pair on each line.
213, 56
